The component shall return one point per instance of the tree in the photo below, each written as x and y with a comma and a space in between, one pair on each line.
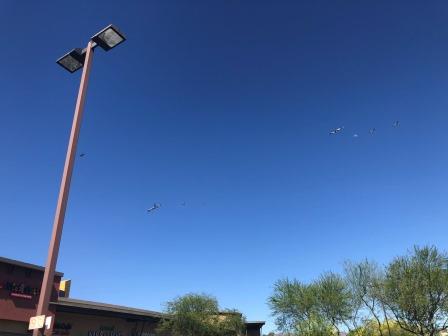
365, 280
370, 328
231, 323
295, 307
199, 315
416, 291
335, 301
319, 308
410, 294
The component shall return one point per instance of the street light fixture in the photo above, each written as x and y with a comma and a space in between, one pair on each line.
108, 38
74, 60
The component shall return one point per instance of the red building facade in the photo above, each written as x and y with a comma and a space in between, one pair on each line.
19, 289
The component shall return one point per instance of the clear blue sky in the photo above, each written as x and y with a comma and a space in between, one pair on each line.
225, 105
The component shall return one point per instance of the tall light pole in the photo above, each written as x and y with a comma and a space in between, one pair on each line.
107, 39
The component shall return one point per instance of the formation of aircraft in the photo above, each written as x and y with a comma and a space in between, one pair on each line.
333, 131
372, 131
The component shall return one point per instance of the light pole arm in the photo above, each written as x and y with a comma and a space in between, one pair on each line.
48, 280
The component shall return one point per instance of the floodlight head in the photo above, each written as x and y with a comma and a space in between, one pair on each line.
73, 60
109, 37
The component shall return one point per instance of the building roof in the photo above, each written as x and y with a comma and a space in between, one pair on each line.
257, 323
106, 309
26, 265
74, 305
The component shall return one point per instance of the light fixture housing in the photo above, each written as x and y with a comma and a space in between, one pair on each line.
73, 60
109, 37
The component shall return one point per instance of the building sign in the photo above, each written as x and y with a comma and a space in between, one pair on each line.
36, 322
48, 322
20, 290
105, 331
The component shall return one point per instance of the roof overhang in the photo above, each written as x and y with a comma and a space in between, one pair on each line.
26, 265
256, 323
103, 309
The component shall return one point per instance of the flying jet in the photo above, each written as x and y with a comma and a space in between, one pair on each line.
154, 207
396, 123
336, 130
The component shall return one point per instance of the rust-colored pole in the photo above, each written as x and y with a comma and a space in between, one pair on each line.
48, 281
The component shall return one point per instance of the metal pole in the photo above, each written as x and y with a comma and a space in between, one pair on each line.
48, 280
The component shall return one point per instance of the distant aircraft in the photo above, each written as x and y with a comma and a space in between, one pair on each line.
396, 123
82, 155
154, 207
372, 130
336, 130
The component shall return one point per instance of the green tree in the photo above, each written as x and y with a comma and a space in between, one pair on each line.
231, 323
409, 297
295, 308
199, 315
335, 301
365, 281
416, 291
323, 307
370, 328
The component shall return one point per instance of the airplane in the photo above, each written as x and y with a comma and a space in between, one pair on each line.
154, 207
336, 130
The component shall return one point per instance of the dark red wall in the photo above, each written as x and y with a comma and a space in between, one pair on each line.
13, 304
